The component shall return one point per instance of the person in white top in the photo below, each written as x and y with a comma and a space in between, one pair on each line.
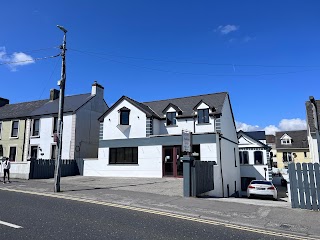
6, 170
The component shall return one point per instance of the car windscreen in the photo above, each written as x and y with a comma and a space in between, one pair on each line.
261, 182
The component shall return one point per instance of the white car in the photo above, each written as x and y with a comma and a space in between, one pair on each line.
262, 188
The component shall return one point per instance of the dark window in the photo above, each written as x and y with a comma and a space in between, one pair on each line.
305, 153
258, 158
235, 159
261, 182
171, 118
244, 157
196, 151
203, 115
34, 152
128, 155
0, 128
1, 151
53, 151
287, 156
35, 127
124, 117
55, 124
15, 129
275, 164
12, 153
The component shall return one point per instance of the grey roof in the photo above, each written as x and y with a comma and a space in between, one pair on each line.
299, 139
71, 104
186, 104
310, 114
20, 110
258, 135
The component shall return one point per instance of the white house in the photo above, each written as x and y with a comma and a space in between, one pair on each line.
254, 157
144, 139
80, 126
313, 110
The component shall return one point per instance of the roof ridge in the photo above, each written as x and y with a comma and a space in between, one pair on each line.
10, 104
186, 97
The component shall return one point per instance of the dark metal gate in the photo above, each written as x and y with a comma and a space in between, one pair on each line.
201, 177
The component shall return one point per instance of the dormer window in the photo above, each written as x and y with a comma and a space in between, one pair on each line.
286, 141
171, 118
203, 115
124, 116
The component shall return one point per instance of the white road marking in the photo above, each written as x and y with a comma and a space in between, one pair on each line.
10, 224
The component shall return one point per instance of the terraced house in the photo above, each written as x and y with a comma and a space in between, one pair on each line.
13, 119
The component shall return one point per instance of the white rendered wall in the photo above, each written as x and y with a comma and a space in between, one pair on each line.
228, 128
18, 170
313, 147
149, 164
255, 171
46, 137
137, 121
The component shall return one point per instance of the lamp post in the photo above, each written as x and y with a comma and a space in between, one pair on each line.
61, 83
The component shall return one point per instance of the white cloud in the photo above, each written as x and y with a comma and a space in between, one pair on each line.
15, 60
284, 125
292, 124
248, 39
227, 29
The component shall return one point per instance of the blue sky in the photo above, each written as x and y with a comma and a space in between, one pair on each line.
266, 54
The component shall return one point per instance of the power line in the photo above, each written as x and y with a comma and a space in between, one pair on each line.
196, 74
34, 50
30, 60
196, 63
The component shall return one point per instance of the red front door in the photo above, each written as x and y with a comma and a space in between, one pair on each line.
172, 166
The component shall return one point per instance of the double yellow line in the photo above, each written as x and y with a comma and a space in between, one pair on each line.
167, 214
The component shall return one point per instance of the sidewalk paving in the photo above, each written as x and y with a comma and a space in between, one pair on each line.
166, 194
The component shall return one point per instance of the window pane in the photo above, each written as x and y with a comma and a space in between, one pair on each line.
0, 128
120, 155
241, 157
34, 152
200, 116
135, 155
124, 117
55, 124
35, 127
206, 115
12, 154
1, 151
53, 151
15, 127
128, 155
171, 118
245, 157
258, 157
112, 155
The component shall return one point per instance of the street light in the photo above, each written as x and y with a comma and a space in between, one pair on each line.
61, 83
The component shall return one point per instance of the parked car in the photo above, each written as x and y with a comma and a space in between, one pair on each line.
262, 188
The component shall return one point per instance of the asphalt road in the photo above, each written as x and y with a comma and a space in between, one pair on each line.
42, 217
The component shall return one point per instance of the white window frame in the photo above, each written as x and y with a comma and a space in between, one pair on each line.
12, 128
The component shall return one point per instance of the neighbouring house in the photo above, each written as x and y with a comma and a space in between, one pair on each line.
313, 110
254, 157
13, 120
271, 142
143, 139
80, 126
292, 146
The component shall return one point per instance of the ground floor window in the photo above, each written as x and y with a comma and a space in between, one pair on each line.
34, 152
244, 157
12, 153
125, 155
245, 181
196, 151
258, 158
287, 156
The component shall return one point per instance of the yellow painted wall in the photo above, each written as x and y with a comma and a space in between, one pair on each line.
6, 140
298, 159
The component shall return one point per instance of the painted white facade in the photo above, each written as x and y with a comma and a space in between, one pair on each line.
150, 157
252, 169
18, 170
313, 148
80, 130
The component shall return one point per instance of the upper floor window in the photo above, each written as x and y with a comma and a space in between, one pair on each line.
0, 129
287, 156
55, 125
35, 127
244, 157
258, 158
203, 115
285, 141
124, 117
171, 118
15, 129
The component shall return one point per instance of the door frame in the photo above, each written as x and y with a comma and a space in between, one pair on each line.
174, 161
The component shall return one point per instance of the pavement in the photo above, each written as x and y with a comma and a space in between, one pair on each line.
165, 194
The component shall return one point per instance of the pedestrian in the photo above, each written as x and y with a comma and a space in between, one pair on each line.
6, 170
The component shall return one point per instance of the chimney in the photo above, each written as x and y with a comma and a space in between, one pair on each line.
3, 102
54, 94
97, 89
